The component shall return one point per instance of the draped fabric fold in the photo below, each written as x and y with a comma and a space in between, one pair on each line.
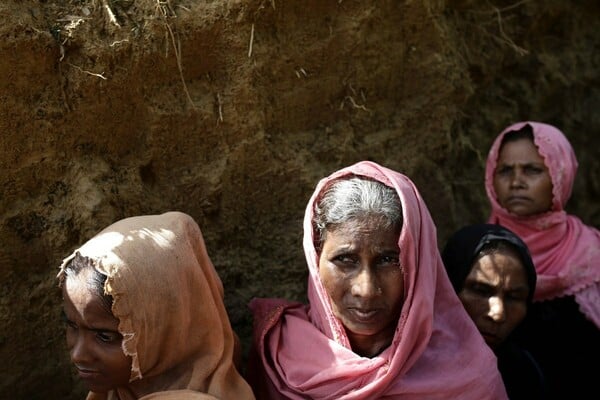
302, 351
169, 302
565, 251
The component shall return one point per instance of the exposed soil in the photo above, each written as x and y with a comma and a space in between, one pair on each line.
232, 110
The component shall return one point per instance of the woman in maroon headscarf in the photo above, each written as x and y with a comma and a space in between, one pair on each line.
529, 178
383, 320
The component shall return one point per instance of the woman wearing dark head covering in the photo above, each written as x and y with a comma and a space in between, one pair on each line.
492, 272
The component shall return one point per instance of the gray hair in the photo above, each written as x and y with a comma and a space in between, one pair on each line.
353, 198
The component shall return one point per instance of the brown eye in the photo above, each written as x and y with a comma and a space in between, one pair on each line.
345, 261
533, 170
386, 261
481, 290
108, 336
344, 258
516, 297
503, 171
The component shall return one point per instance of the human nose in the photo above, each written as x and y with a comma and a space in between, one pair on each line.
80, 350
496, 309
365, 284
516, 179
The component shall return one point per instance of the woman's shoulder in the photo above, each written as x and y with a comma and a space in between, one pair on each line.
264, 308
267, 312
561, 322
521, 373
512, 356
560, 311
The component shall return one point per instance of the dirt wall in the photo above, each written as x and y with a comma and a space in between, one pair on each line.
232, 110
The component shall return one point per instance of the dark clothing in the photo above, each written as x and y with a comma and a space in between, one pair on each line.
463, 247
522, 376
566, 345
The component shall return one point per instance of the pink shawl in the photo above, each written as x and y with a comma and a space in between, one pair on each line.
565, 251
436, 353
169, 302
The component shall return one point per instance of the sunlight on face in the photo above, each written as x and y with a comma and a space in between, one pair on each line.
495, 295
360, 269
93, 338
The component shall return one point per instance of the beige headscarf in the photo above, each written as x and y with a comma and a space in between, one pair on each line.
169, 302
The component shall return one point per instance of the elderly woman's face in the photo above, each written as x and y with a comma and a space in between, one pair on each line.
359, 266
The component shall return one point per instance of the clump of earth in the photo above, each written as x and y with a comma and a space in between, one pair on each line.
231, 111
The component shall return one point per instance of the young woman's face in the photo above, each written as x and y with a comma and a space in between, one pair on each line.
522, 183
359, 266
93, 338
495, 295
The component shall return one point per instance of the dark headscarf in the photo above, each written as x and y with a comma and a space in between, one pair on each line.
462, 250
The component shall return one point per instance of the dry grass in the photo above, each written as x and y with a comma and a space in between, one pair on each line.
122, 20
497, 17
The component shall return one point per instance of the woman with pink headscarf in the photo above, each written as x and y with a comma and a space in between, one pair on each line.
383, 320
529, 178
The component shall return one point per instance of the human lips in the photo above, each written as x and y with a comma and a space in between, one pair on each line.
88, 373
517, 199
364, 315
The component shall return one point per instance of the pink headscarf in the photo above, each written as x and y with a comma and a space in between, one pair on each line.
436, 353
565, 251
